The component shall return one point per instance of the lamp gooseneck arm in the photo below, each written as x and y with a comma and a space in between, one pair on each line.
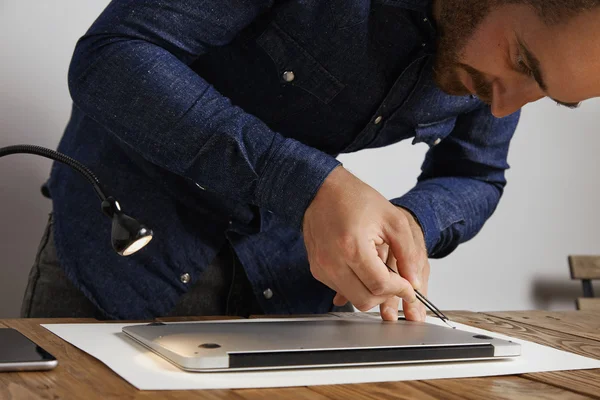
127, 234
56, 156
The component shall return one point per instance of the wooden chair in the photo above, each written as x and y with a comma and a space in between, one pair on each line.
586, 268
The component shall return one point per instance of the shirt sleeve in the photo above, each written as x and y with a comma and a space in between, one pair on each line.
130, 73
462, 180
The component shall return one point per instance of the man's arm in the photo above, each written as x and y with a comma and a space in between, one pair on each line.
459, 189
130, 73
462, 181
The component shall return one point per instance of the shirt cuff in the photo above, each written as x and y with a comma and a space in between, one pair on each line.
291, 179
420, 207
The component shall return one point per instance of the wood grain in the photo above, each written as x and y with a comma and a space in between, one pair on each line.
584, 267
77, 372
588, 304
584, 382
504, 387
385, 390
81, 376
508, 387
548, 337
299, 393
187, 394
579, 323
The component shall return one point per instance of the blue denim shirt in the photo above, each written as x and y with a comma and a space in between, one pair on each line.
216, 122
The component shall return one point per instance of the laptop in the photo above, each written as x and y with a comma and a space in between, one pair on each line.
291, 343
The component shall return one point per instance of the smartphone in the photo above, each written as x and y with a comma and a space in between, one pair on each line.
17, 353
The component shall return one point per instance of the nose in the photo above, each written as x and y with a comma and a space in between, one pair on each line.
509, 99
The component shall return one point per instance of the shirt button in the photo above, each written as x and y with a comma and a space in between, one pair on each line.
437, 141
185, 278
423, 44
200, 186
378, 120
289, 76
425, 19
268, 293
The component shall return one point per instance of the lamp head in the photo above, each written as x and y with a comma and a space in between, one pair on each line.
128, 235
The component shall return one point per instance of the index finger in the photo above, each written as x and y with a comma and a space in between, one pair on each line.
402, 243
377, 277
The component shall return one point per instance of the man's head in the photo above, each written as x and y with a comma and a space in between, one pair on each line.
512, 52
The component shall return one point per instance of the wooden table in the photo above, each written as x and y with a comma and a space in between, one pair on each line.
80, 376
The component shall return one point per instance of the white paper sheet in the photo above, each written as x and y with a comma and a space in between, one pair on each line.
147, 371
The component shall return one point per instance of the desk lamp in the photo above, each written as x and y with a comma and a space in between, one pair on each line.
128, 235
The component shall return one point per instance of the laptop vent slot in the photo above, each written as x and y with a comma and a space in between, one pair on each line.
358, 356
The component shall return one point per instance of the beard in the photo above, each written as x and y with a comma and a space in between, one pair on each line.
458, 21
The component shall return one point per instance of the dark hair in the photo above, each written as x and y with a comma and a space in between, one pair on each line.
558, 11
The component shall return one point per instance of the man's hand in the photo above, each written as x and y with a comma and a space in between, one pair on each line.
412, 311
343, 228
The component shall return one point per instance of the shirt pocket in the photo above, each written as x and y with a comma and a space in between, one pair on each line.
296, 68
433, 133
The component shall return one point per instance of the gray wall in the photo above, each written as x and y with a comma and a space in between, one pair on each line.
518, 261
36, 42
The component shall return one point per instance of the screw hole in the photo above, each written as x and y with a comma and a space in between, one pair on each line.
482, 337
210, 345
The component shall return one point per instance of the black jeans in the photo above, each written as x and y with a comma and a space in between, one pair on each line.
223, 290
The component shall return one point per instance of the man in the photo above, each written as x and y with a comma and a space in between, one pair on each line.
217, 124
